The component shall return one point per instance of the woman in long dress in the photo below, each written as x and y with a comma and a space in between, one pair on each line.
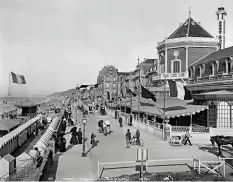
74, 133
62, 143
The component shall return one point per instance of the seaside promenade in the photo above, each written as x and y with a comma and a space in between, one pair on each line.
112, 148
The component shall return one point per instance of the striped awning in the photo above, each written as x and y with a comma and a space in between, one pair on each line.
174, 107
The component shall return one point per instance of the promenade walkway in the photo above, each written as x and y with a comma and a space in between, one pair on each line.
112, 148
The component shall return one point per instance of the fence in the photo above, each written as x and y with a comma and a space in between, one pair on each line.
220, 163
213, 170
196, 128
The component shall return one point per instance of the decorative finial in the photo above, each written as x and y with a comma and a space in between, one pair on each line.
138, 60
189, 11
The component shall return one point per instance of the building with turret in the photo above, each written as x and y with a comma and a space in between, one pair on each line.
188, 43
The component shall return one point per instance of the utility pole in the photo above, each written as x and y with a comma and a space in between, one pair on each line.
164, 104
117, 94
139, 87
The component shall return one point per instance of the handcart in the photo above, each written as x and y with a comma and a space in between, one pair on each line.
176, 139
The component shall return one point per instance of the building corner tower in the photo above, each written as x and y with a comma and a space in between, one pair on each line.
221, 13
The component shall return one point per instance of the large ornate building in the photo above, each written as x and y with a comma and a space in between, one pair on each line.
182, 48
107, 79
211, 84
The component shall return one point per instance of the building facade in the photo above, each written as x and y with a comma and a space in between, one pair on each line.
211, 84
182, 48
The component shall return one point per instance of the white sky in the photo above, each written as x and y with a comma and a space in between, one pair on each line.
57, 44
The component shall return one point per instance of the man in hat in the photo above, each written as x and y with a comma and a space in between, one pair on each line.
128, 138
80, 136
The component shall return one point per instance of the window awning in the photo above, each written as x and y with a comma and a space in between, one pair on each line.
174, 107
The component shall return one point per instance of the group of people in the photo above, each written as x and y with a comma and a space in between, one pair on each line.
68, 116
128, 138
104, 127
77, 136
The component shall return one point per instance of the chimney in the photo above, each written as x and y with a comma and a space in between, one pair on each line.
221, 13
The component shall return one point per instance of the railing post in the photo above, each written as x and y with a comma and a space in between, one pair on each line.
194, 167
224, 168
98, 170
199, 166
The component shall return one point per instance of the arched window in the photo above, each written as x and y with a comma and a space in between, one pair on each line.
199, 71
212, 69
223, 117
176, 66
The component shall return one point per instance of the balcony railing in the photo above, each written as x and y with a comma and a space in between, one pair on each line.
182, 75
213, 78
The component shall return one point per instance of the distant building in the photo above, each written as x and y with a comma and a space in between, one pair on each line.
107, 79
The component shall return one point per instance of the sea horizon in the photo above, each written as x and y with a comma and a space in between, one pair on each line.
32, 98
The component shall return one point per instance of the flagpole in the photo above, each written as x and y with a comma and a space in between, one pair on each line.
10, 88
164, 104
117, 95
139, 87
131, 103
125, 104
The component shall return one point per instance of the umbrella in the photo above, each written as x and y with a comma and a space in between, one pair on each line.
107, 122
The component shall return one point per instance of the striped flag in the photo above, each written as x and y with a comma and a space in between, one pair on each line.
177, 89
19, 79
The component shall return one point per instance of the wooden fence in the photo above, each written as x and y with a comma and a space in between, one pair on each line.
220, 165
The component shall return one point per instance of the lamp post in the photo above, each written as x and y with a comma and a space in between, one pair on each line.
84, 140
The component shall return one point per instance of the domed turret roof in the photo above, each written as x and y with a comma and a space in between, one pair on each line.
190, 28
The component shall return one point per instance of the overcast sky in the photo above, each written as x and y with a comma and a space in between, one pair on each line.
57, 44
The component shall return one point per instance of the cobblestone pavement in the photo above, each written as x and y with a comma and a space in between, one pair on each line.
112, 148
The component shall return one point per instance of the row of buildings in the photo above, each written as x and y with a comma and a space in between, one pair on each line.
190, 55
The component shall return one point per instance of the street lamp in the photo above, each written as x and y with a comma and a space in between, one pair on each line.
84, 123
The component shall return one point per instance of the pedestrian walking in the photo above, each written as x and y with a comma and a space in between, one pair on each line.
187, 137
62, 143
80, 136
128, 138
93, 142
38, 158
120, 121
74, 133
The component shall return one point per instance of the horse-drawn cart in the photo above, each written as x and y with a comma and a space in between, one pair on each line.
176, 139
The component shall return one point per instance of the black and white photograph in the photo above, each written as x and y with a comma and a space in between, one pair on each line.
116, 90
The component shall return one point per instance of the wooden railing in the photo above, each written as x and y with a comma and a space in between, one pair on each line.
155, 124
200, 129
180, 128
195, 128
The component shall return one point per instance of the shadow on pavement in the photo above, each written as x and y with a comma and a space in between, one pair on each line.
69, 147
149, 166
53, 167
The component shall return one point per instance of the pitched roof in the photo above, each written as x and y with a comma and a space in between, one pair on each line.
150, 61
123, 73
190, 28
7, 124
26, 103
216, 55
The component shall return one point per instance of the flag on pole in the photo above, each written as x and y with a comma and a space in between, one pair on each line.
19, 79
108, 95
177, 89
147, 94
130, 92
